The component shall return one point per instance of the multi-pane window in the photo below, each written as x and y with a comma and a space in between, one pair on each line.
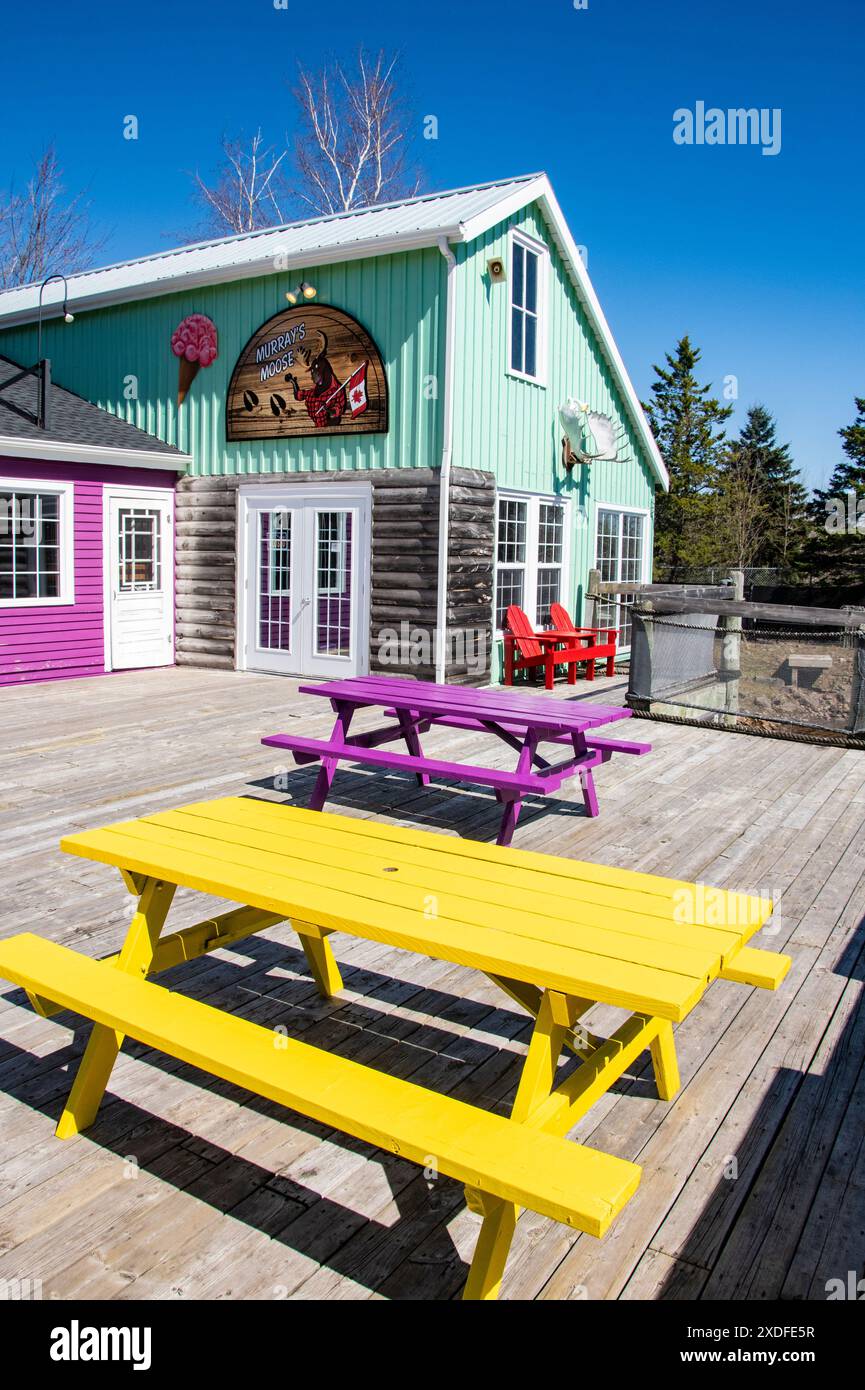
35, 544
140, 550
526, 276
510, 556
550, 537
529, 557
620, 560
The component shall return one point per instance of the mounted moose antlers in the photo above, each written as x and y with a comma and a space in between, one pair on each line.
578, 421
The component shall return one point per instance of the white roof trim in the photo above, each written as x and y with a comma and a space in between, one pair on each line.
59, 452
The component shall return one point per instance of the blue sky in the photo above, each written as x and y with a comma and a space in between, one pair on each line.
759, 258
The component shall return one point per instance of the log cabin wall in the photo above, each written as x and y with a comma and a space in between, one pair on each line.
404, 557
471, 574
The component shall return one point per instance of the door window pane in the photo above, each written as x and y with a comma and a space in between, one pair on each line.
274, 580
333, 583
139, 560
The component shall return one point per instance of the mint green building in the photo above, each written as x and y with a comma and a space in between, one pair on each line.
367, 407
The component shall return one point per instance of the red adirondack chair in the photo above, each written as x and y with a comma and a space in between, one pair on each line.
525, 649
599, 642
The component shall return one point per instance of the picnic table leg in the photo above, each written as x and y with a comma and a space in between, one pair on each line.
319, 958
513, 804
407, 723
494, 1243
556, 1017
510, 816
587, 781
136, 955
664, 1063
324, 780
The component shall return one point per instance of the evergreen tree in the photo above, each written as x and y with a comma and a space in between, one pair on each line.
836, 549
688, 423
756, 456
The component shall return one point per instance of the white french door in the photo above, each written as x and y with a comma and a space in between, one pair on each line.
139, 579
304, 567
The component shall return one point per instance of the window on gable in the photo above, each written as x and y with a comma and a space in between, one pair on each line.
526, 276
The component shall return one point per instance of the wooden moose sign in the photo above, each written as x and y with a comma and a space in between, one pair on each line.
308, 370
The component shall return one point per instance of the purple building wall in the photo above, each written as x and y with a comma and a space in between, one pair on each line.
68, 640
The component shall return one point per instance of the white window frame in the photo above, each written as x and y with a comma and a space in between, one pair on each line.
622, 511
534, 501
66, 540
541, 250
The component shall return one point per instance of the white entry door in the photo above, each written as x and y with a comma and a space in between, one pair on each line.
139, 579
305, 562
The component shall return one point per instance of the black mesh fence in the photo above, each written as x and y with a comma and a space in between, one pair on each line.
732, 671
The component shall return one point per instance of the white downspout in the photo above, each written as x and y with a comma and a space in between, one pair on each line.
445, 471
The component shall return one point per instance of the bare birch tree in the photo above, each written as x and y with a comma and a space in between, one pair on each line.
248, 192
42, 230
741, 513
352, 146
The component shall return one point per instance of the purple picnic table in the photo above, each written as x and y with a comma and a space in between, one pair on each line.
523, 722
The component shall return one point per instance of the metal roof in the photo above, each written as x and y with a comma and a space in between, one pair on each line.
458, 215
73, 424
418, 221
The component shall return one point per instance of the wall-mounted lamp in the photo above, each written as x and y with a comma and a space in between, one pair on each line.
303, 291
67, 316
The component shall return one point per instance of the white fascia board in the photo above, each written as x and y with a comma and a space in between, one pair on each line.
198, 277
49, 449
520, 197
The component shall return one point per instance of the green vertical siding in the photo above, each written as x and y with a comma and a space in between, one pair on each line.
511, 426
398, 299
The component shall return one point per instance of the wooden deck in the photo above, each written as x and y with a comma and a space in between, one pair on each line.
754, 1177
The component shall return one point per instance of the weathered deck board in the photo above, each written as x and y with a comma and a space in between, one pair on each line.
189, 1188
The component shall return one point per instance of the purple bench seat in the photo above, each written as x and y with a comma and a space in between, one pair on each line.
507, 784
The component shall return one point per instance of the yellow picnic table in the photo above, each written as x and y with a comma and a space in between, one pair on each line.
555, 934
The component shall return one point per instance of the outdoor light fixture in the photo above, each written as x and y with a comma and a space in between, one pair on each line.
303, 290
67, 316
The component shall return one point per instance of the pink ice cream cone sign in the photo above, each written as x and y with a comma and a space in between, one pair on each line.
194, 343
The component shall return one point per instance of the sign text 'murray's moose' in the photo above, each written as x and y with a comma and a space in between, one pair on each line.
310, 370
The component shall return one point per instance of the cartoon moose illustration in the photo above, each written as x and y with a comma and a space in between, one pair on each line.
325, 401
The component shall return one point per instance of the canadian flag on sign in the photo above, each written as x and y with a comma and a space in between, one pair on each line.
356, 390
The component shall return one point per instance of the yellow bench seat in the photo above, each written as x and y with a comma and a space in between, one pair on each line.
568, 1182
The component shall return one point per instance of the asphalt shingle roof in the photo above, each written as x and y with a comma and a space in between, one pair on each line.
72, 419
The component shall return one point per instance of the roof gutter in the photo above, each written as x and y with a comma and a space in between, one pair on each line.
59, 451
441, 643
25, 309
